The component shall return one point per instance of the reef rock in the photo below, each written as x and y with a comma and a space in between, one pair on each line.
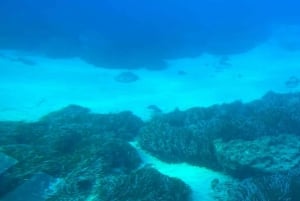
268, 154
145, 184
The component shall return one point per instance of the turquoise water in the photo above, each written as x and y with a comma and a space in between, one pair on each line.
127, 100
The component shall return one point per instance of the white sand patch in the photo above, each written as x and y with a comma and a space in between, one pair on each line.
198, 178
29, 92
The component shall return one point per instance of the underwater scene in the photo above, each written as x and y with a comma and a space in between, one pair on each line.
149, 100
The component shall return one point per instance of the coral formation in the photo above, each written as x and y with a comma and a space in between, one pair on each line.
264, 155
90, 156
145, 184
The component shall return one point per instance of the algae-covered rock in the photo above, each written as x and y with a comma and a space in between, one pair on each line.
265, 155
145, 184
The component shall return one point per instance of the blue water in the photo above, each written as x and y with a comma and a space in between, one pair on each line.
60, 60
137, 34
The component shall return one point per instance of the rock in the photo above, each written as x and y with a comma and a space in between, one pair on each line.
292, 82
118, 157
268, 154
145, 184
177, 144
275, 187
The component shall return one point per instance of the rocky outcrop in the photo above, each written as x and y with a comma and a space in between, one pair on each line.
244, 158
177, 144
146, 184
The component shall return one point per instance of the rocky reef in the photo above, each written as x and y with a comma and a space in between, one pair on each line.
81, 155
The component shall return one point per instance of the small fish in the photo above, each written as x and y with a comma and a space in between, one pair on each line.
155, 109
126, 77
181, 72
292, 82
25, 61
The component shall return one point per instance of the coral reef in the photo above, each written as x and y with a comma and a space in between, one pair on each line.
265, 155
89, 156
177, 144
145, 184
73, 145
275, 187
194, 135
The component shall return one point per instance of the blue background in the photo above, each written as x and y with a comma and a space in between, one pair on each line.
139, 33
